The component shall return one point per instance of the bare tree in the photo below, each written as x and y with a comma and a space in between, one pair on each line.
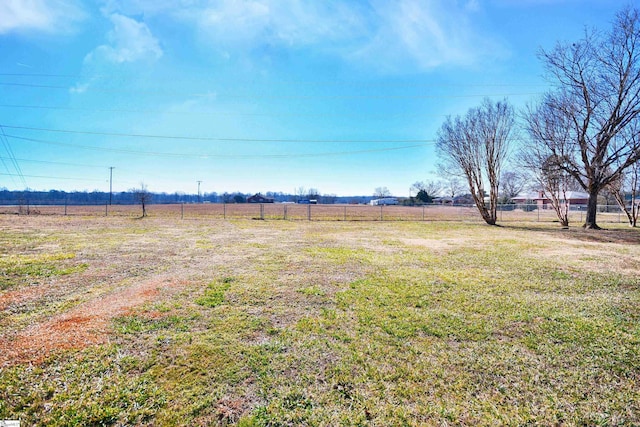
300, 193
511, 183
596, 96
543, 165
313, 193
628, 183
453, 187
142, 196
381, 192
476, 145
550, 178
432, 188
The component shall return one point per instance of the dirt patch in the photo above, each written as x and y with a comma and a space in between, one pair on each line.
30, 293
85, 325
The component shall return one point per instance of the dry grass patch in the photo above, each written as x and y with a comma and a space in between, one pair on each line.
266, 323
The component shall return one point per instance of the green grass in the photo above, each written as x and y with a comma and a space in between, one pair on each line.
214, 294
328, 324
19, 269
100, 386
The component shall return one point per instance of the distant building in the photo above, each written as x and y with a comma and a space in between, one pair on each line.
543, 202
464, 199
259, 198
442, 200
384, 201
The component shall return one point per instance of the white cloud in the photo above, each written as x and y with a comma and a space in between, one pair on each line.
288, 23
79, 88
129, 41
386, 35
424, 35
39, 15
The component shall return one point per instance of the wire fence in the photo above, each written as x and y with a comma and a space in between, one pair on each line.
283, 211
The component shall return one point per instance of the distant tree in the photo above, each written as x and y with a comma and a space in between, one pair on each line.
381, 192
596, 97
313, 193
476, 146
511, 184
143, 196
239, 198
453, 187
432, 188
300, 193
329, 199
424, 196
211, 197
628, 183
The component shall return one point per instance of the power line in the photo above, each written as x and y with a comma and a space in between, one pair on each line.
73, 76
283, 82
83, 165
254, 95
2, 159
50, 162
12, 157
52, 177
226, 156
219, 139
207, 113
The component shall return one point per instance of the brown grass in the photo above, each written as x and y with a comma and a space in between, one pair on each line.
84, 325
319, 323
303, 212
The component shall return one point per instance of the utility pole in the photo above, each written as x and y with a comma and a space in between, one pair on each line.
110, 183
199, 190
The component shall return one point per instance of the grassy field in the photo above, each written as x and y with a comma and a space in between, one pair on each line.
122, 321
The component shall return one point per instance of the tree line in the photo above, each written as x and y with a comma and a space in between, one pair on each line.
584, 132
58, 197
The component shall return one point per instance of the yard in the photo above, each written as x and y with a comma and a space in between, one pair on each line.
161, 321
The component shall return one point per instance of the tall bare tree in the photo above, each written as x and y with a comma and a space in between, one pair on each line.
476, 146
142, 196
596, 96
545, 167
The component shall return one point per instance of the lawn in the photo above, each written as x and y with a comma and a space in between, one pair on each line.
161, 321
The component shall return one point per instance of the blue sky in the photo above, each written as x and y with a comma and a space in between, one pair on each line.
259, 95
